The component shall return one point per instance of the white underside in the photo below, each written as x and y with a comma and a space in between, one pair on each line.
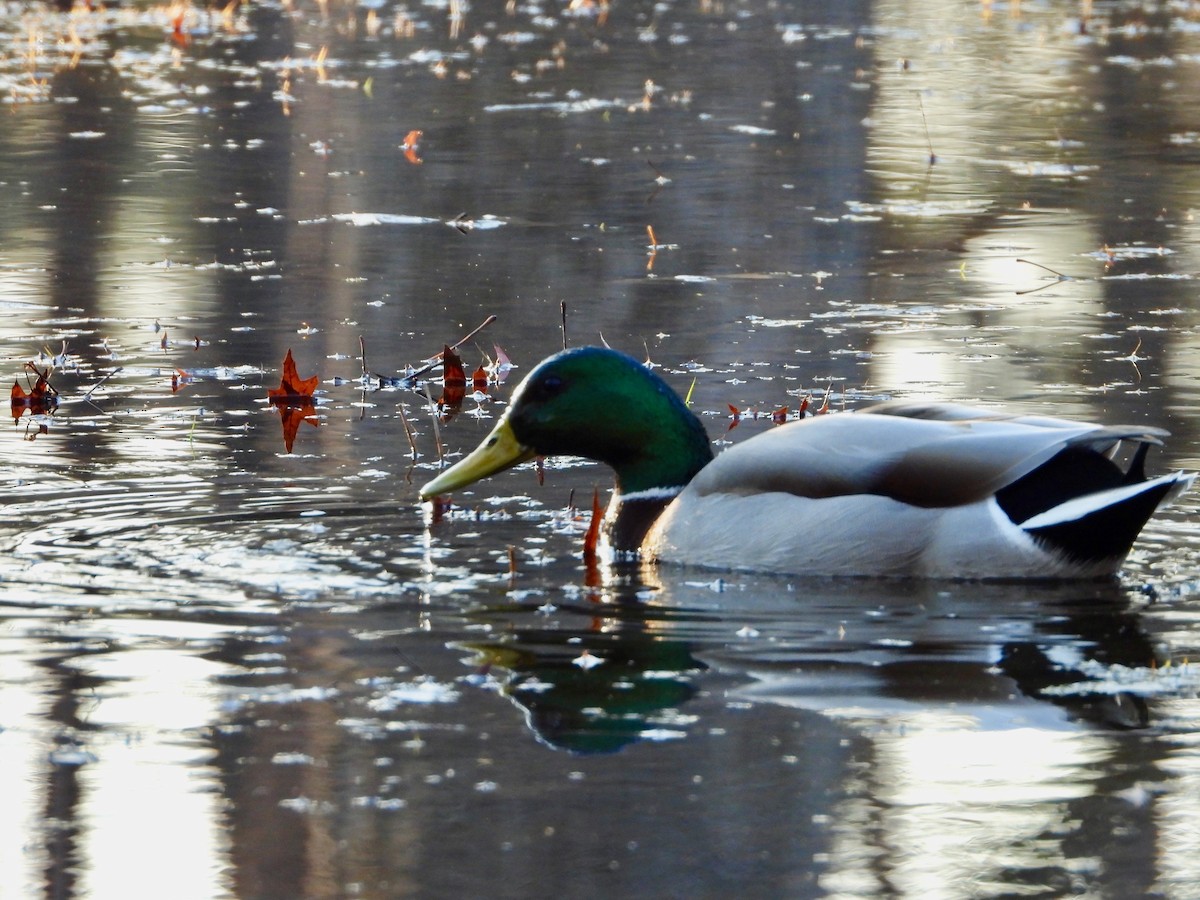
860, 534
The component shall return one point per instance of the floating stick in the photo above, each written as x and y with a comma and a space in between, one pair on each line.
408, 432
925, 122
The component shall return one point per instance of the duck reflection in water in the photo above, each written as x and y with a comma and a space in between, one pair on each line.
620, 669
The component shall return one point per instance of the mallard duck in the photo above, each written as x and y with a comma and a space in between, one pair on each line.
897, 489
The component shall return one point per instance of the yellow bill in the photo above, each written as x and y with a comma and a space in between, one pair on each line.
500, 450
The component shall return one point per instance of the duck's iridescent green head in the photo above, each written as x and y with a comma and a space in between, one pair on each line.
595, 403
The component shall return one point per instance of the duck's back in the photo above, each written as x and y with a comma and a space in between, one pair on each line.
904, 490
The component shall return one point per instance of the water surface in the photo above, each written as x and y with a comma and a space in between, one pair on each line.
228, 669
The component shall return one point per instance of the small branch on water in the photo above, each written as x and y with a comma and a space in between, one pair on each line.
408, 432
1059, 277
88, 395
562, 311
925, 122
484, 324
437, 432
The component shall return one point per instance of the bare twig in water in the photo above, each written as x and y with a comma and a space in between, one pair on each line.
482, 325
437, 432
925, 122
408, 432
1058, 276
88, 395
562, 311
1133, 359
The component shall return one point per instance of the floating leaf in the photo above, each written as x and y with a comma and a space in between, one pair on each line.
40, 398
179, 34
454, 382
453, 373
293, 390
410, 147
479, 380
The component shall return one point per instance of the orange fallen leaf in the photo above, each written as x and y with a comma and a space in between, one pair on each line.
410, 147
779, 416
178, 34
479, 380
293, 390
38, 399
453, 373
454, 381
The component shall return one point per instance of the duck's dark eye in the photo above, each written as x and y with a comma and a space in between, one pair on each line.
547, 387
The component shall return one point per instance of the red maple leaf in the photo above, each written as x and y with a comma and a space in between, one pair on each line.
38, 398
454, 380
293, 390
453, 373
